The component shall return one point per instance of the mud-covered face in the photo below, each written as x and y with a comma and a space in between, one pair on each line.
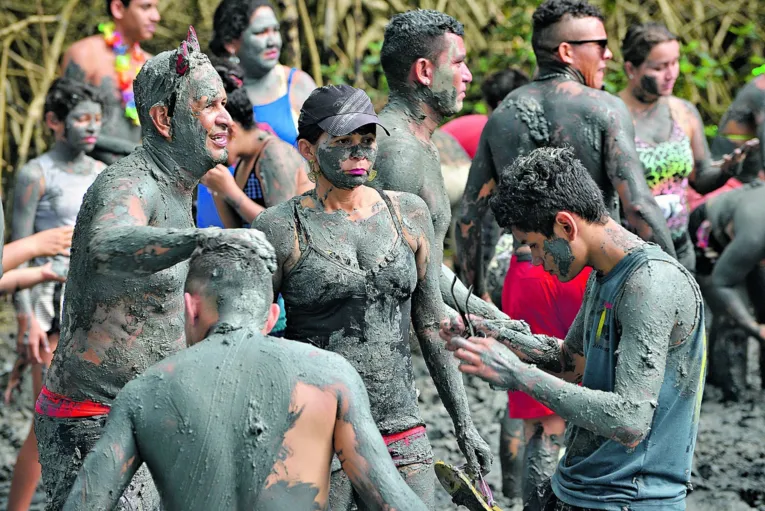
261, 43
346, 161
658, 74
82, 126
555, 254
451, 76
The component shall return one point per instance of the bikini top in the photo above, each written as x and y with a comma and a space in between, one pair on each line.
278, 115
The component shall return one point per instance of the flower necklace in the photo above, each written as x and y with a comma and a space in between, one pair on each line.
125, 60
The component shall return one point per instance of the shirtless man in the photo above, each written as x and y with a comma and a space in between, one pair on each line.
563, 106
637, 345
94, 60
123, 306
743, 121
262, 437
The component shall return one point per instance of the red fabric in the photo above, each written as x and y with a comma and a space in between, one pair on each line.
265, 127
55, 405
467, 130
404, 435
695, 199
549, 306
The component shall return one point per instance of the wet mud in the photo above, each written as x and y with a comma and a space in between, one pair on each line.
728, 469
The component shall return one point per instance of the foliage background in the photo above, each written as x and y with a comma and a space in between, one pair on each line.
339, 41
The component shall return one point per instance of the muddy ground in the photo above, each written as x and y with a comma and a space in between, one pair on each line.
729, 468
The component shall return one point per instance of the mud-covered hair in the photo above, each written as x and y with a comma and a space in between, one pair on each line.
545, 33
64, 94
231, 266
126, 3
238, 104
414, 35
534, 188
230, 20
641, 39
500, 84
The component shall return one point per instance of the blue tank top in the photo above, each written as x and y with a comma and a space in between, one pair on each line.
278, 115
600, 473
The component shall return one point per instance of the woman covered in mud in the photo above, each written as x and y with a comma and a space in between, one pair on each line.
354, 265
669, 132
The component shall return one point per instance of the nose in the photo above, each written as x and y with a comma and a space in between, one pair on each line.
608, 55
467, 76
224, 119
155, 16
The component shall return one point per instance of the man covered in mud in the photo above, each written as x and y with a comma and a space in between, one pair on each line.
123, 304
262, 435
110, 61
562, 106
637, 345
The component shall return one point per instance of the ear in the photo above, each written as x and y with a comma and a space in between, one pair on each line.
423, 71
306, 149
566, 223
161, 121
273, 317
233, 47
191, 305
52, 121
566, 53
117, 9
629, 68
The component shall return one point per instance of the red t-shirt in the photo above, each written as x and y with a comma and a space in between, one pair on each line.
549, 306
467, 130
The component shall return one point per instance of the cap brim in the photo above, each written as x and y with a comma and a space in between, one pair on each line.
343, 124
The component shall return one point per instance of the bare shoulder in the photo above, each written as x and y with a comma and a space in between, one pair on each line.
83, 51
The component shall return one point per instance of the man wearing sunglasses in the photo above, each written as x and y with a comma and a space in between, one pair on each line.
563, 106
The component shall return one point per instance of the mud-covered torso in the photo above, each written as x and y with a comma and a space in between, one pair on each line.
350, 293
721, 210
555, 112
114, 326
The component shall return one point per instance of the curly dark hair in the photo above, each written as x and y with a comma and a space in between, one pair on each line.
546, 17
641, 39
126, 3
64, 94
413, 35
534, 188
500, 84
238, 104
230, 20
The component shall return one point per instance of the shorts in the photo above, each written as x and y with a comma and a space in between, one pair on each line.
48, 301
544, 499
406, 448
63, 445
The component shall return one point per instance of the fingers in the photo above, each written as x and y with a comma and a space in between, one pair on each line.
34, 351
473, 467
451, 326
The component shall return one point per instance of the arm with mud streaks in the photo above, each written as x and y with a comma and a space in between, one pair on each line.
29, 189
427, 312
279, 172
648, 315
115, 458
360, 448
626, 174
705, 177
123, 242
475, 306
468, 232
739, 258
278, 225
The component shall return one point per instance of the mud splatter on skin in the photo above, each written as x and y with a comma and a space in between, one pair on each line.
560, 252
83, 122
332, 152
599, 128
171, 416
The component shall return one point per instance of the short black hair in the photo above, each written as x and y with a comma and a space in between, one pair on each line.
534, 188
550, 13
238, 104
414, 35
641, 39
230, 20
500, 84
64, 94
126, 3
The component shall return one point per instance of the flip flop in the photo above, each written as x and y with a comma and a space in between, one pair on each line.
462, 490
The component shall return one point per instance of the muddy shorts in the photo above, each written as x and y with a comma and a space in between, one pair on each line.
63, 445
544, 499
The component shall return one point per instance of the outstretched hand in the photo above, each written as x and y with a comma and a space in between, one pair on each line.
737, 157
486, 358
453, 325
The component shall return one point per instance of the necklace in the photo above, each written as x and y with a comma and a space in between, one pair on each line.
127, 63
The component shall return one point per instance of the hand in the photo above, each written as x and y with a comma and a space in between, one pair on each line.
220, 181
36, 339
488, 359
48, 273
53, 242
454, 326
737, 156
475, 449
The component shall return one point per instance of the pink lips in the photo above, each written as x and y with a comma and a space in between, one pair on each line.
271, 54
220, 139
357, 172
89, 140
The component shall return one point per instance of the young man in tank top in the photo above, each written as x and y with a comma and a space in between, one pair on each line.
637, 345
263, 436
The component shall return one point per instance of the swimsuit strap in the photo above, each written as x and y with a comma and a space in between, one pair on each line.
394, 216
241, 178
289, 80
304, 237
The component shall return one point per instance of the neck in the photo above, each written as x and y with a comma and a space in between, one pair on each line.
233, 319
424, 119
255, 78
609, 244
162, 154
63, 151
548, 69
255, 139
330, 198
126, 39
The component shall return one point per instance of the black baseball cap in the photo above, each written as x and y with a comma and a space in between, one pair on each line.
338, 110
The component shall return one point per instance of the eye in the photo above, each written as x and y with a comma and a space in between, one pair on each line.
369, 140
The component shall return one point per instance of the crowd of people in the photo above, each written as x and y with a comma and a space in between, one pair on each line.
223, 269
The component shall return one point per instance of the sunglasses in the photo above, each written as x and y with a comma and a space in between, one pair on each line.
603, 43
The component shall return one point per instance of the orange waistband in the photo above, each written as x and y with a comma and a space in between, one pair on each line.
55, 405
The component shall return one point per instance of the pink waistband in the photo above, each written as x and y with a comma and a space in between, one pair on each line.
407, 435
55, 405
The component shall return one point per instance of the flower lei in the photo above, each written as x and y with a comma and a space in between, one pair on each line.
122, 65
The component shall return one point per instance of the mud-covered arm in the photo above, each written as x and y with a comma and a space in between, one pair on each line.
476, 306
111, 464
278, 225
739, 258
30, 186
278, 171
123, 242
114, 145
362, 452
468, 232
705, 177
626, 174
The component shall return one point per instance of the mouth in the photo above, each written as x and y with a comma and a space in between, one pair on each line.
271, 54
151, 28
357, 172
220, 140
89, 140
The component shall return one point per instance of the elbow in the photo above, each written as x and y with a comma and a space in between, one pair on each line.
635, 424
